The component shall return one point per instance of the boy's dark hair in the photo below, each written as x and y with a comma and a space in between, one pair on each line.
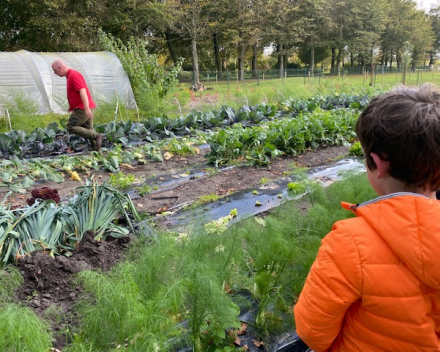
402, 126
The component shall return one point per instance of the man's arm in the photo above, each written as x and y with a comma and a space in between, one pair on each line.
334, 283
85, 101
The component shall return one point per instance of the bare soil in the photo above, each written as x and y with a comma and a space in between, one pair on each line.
187, 185
48, 281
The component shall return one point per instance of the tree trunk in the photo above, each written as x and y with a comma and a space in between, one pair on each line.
339, 61
332, 69
254, 60
218, 63
195, 60
312, 60
241, 51
280, 60
170, 47
372, 66
383, 59
351, 60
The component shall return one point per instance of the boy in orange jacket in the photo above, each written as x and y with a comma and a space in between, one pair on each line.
375, 284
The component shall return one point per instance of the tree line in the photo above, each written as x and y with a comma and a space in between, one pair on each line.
210, 34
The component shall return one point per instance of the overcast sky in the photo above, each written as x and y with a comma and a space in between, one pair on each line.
426, 4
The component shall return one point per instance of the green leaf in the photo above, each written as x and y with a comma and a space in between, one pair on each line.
5, 142
6, 177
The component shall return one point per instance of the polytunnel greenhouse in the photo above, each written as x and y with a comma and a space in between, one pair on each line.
29, 76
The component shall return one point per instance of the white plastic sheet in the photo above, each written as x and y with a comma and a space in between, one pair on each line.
30, 74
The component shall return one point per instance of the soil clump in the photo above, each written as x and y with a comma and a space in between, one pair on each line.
48, 287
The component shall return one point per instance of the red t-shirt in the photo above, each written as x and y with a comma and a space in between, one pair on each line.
75, 82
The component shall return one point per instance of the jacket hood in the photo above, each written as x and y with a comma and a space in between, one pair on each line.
410, 224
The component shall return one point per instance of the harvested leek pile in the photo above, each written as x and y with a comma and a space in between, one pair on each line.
57, 228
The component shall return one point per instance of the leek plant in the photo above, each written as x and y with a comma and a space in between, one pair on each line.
95, 208
36, 227
57, 228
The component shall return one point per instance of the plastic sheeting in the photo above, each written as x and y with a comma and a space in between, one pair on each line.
30, 74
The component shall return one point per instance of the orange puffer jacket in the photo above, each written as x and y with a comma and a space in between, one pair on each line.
375, 284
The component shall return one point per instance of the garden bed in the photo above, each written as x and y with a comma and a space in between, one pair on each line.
48, 287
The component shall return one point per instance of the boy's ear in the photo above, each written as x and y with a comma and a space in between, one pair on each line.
382, 165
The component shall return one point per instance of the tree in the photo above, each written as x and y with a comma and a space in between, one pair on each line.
148, 80
422, 37
242, 27
339, 29
314, 28
50, 25
192, 20
354, 26
434, 16
371, 17
284, 28
319, 53
405, 25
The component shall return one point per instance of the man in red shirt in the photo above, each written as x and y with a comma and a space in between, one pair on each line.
80, 104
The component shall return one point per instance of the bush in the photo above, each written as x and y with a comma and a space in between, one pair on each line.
18, 104
147, 78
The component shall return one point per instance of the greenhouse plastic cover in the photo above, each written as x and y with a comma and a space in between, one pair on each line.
30, 75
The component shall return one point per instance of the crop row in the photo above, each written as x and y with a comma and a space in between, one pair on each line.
249, 145
53, 140
258, 144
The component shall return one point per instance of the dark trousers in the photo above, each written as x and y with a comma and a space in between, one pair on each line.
81, 125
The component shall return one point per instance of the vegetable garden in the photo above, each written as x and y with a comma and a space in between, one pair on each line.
204, 289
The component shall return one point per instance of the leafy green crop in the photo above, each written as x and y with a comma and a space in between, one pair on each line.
255, 145
356, 149
121, 180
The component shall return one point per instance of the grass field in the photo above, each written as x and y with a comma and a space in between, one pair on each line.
231, 93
